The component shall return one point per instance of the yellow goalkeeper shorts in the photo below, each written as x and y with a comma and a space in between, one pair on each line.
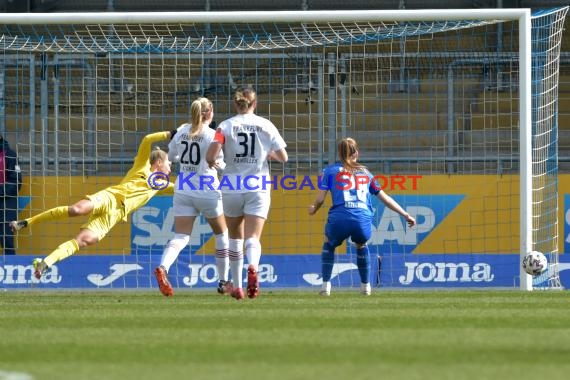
107, 212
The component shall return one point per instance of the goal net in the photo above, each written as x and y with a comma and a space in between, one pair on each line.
455, 111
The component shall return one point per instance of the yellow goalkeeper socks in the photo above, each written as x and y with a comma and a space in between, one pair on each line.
64, 250
55, 213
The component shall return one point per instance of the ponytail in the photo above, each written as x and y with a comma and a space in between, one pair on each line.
157, 154
347, 147
244, 98
199, 111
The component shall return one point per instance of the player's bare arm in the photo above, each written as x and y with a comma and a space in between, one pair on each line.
393, 205
280, 155
318, 202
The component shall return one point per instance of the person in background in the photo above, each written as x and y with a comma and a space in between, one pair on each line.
200, 196
10, 184
350, 216
106, 208
248, 141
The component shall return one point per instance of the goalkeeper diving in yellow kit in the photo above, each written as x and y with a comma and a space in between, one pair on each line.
107, 207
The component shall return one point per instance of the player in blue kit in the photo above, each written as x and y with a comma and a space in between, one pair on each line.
351, 187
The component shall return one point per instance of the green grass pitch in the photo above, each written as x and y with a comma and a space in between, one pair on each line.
285, 334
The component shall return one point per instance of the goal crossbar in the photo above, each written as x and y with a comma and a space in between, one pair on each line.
263, 16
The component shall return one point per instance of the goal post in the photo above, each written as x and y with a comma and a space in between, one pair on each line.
542, 185
464, 101
525, 133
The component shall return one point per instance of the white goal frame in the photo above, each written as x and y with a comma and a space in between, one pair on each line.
522, 16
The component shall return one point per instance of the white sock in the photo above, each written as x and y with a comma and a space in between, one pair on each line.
172, 250
222, 256
253, 251
236, 261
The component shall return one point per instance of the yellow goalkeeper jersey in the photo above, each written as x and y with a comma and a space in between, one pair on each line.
134, 190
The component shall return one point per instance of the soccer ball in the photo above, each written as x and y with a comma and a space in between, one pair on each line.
534, 263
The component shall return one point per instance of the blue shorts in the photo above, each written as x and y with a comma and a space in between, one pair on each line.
339, 229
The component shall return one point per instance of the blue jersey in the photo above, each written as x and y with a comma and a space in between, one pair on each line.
351, 193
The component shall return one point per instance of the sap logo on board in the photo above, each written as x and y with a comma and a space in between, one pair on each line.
23, 201
153, 225
208, 274
24, 274
446, 272
429, 210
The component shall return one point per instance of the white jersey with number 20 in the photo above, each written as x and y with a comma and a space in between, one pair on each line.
195, 178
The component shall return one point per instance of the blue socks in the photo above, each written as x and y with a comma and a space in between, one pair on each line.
363, 264
327, 256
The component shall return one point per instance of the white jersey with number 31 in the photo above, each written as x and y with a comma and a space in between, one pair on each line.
248, 140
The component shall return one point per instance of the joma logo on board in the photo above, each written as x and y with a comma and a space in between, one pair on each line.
24, 274
446, 272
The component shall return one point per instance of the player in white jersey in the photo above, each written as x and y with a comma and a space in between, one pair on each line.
196, 192
248, 141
